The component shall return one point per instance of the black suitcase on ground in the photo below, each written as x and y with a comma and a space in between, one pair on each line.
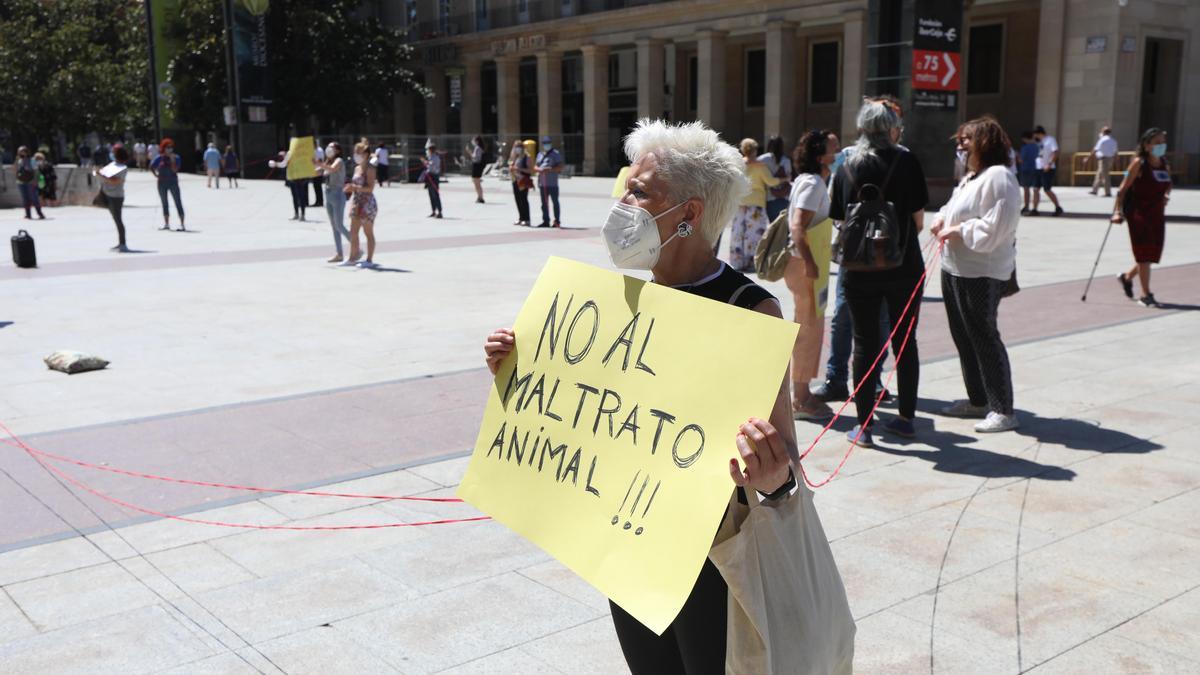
24, 254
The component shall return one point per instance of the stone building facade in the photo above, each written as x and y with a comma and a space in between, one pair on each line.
586, 70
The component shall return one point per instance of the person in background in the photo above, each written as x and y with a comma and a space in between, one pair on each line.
113, 187
381, 163
1027, 171
363, 207
165, 168
212, 166
85, 155
139, 155
750, 220
978, 228
549, 163
432, 177
1105, 153
231, 166
318, 180
26, 172
477, 167
780, 166
879, 160
152, 153
47, 179
1142, 201
333, 169
520, 171
807, 273
1047, 165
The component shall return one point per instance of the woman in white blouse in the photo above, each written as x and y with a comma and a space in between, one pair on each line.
978, 227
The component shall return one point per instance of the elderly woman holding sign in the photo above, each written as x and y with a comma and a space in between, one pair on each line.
683, 185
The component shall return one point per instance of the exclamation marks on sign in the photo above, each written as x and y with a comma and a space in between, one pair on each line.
637, 500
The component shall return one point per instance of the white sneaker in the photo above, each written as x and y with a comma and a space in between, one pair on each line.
367, 265
964, 408
997, 422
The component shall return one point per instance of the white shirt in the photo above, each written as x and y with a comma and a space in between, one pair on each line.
988, 209
477, 154
773, 166
381, 155
1106, 146
139, 148
1049, 146
810, 193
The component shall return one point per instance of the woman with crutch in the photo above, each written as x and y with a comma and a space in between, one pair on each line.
1142, 201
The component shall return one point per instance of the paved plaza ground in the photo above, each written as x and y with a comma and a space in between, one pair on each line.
238, 355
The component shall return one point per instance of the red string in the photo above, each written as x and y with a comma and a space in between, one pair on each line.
185, 481
219, 523
867, 378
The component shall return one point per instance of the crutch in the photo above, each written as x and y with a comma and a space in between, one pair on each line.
1097, 263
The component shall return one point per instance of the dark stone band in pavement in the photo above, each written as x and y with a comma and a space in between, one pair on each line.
325, 437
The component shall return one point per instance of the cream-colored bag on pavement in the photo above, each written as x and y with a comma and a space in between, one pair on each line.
788, 611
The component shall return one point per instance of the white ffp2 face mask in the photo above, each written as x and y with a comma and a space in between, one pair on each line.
631, 236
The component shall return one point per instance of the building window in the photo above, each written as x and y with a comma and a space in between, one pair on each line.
756, 78
823, 69
614, 71
985, 59
410, 12
693, 83
523, 11
568, 8
481, 15
444, 16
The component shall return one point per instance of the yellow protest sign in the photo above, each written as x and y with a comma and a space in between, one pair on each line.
608, 431
300, 163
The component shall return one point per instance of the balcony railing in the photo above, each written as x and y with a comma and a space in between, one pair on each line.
511, 14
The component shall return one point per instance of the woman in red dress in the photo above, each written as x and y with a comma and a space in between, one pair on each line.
1142, 201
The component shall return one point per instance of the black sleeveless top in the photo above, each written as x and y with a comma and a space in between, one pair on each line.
728, 286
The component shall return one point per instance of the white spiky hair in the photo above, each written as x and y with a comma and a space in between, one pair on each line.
694, 162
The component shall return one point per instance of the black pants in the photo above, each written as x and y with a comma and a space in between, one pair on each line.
865, 296
694, 643
299, 196
522, 197
972, 306
317, 190
435, 192
114, 209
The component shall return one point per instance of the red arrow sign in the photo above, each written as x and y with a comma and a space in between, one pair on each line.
936, 70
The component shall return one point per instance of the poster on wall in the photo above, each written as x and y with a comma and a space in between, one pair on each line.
249, 19
937, 53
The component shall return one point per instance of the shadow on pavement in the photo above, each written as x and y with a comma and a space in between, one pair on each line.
5, 324
1081, 434
952, 457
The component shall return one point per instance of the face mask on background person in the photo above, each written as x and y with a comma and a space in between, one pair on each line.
330, 151
961, 155
631, 235
1158, 149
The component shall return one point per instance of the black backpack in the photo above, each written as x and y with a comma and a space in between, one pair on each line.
870, 238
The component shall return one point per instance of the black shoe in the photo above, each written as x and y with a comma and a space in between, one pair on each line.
1147, 300
1025, 211
544, 224
831, 391
1034, 212
884, 396
1058, 211
1126, 285
438, 215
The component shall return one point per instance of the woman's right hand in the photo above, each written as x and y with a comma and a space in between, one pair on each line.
1117, 218
498, 346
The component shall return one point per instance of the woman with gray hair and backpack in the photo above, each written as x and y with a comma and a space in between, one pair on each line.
881, 182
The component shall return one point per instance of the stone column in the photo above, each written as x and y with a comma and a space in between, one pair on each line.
710, 100
508, 101
650, 64
549, 81
854, 69
1048, 88
472, 98
595, 109
436, 107
781, 104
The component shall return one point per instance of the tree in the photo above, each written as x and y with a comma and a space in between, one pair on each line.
73, 66
328, 63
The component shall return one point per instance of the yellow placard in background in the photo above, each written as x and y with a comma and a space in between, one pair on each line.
300, 163
608, 432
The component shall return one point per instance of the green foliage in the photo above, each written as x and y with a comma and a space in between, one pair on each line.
328, 64
73, 66
198, 70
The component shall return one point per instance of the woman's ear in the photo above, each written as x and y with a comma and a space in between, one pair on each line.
693, 211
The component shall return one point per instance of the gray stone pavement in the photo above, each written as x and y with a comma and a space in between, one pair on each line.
239, 356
